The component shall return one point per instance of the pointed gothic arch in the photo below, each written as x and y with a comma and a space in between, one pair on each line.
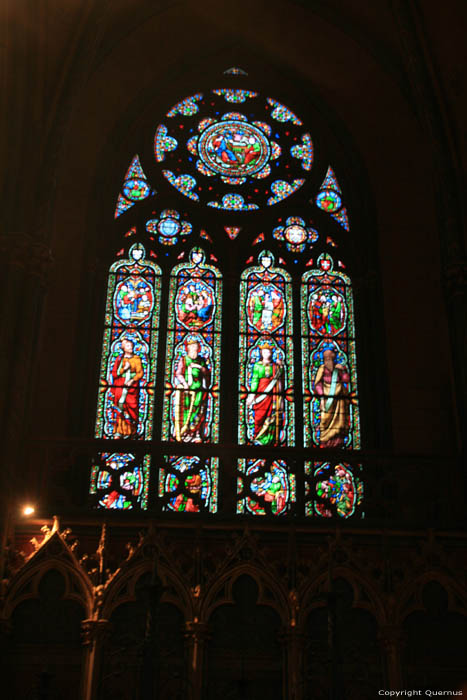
234, 177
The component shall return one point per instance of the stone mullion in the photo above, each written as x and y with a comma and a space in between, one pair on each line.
391, 640
294, 645
196, 635
95, 633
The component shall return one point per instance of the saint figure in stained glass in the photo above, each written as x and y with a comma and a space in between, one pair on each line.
335, 489
265, 487
266, 355
265, 397
272, 486
127, 372
329, 357
331, 384
188, 484
128, 367
193, 352
234, 148
120, 481
192, 379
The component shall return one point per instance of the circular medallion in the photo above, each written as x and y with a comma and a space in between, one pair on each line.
295, 234
233, 138
234, 148
168, 227
136, 188
329, 200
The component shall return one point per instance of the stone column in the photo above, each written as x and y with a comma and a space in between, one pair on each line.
196, 634
391, 638
294, 645
94, 633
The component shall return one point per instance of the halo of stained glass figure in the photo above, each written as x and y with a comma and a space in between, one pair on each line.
211, 144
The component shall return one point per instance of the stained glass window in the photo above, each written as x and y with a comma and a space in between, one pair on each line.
331, 415
191, 405
186, 107
188, 484
163, 143
329, 198
296, 234
281, 189
232, 231
234, 202
304, 152
265, 487
266, 409
129, 350
282, 113
235, 71
127, 377
239, 157
235, 96
168, 227
120, 481
135, 187
231, 137
333, 489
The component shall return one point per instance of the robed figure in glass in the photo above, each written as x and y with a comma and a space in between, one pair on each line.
265, 397
266, 411
127, 372
331, 385
191, 404
192, 379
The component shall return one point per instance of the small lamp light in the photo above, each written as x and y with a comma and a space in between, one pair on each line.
28, 510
